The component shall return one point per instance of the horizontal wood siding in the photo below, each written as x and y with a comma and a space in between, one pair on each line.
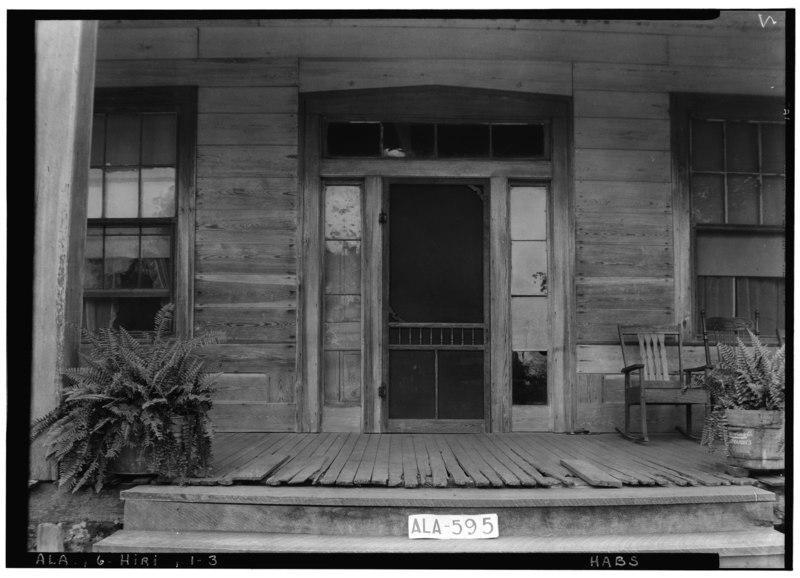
246, 213
619, 73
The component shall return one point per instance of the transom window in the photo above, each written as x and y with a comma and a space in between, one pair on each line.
436, 140
133, 201
736, 176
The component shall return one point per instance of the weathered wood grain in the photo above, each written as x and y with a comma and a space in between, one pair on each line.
257, 469
341, 419
342, 377
247, 161
342, 308
395, 468
622, 196
311, 468
251, 223
188, 72
64, 69
423, 463
242, 387
741, 23
624, 293
520, 75
622, 165
622, 134
410, 471
372, 308
299, 458
644, 78
247, 129
457, 43
231, 256
608, 358
596, 260
342, 336
501, 324
363, 474
253, 417
348, 473
531, 418
477, 458
638, 228
249, 325
497, 457
272, 100
509, 449
621, 104
280, 240
212, 289
330, 475
245, 358
247, 194
140, 44
590, 474
380, 471
590, 388
466, 462
766, 51
436, 461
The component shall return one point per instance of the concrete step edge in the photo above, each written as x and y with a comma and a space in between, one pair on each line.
766, 542
448, 497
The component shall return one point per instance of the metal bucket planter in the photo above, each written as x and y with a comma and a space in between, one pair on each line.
756, 439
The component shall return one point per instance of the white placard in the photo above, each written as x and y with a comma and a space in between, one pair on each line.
459, 527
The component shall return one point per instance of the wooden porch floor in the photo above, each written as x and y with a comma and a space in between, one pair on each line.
462, 460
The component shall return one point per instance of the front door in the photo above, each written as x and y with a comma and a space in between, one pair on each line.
436, 307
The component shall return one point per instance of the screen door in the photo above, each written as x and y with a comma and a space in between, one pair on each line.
436, 336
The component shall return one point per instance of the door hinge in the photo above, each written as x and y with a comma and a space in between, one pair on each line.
382, 391
383, 218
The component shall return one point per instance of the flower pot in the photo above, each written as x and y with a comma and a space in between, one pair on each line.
133, 459
756, 438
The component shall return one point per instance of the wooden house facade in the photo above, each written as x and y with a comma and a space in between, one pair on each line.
410, 225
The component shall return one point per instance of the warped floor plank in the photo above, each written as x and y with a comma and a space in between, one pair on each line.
442, 460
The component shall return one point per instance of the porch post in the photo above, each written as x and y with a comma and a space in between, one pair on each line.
65, 68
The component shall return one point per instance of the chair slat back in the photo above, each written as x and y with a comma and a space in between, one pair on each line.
653, 342
727, 330
653, 351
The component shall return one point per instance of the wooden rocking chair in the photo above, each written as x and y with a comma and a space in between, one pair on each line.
725, 330
646, 351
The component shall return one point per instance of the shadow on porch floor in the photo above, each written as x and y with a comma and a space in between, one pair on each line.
462, 460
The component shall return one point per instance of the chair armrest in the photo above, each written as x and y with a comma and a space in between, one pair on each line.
697, 369
633, 367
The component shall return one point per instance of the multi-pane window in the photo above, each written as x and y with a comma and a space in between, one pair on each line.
736, 177
436, 140
133, 205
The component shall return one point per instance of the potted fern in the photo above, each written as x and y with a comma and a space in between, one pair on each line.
144, 401
747, 390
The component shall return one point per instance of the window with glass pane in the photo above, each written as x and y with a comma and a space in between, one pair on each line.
736, 176
132, 214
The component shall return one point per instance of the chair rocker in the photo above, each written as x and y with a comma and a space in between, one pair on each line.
647, 351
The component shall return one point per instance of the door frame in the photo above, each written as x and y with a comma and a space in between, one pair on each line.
426, 104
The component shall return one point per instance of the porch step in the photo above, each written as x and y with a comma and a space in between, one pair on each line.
746, 549
381, 512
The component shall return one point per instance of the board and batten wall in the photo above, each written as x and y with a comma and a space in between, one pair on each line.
251, 74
